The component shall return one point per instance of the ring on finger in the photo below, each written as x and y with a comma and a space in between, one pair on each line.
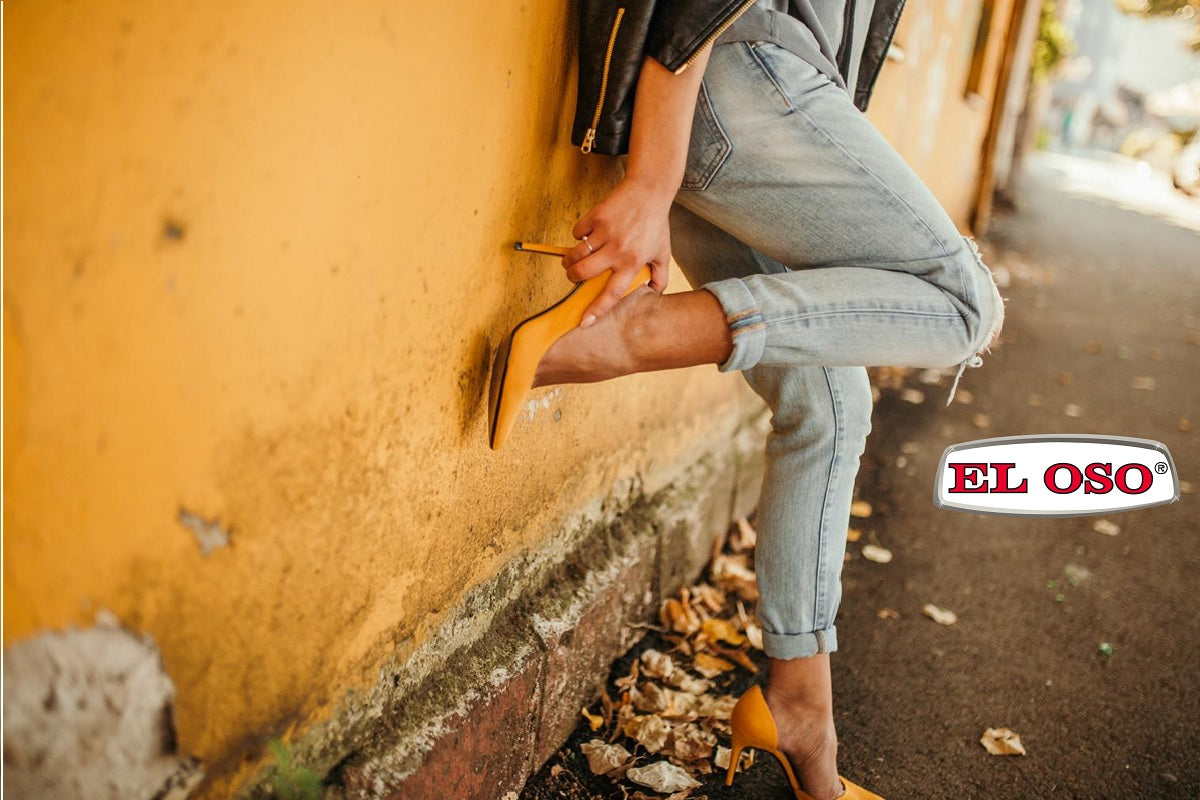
589, 245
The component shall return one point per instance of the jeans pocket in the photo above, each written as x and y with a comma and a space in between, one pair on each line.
708, 148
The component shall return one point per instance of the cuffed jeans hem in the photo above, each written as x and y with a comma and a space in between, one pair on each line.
800, 645
746, 323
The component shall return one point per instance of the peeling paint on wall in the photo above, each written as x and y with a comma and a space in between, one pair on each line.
546, 400
88, 715
209, 533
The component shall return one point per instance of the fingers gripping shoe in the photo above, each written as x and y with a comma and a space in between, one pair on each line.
519, 354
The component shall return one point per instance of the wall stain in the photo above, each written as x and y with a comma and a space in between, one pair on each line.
473, 383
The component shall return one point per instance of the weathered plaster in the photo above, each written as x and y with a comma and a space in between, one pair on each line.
88, 715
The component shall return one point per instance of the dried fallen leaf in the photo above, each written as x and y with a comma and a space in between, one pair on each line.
942, 616
1034, 400
733, 573
624, 714
678, 616
681, 680
651, 698
690, 742
1157, 355
662, 776
717, 706
739, 657
964, 397
1185, 424
595, 721
656, 664
1002, 742
744, 538
722, 630
914, 396
981, 420
910, 448
711, 666
888, 613
1186, 487
1106, 527
873, 552
930, 376
860, 509
1066, 378
1072, 410
1145, 384
627, 682
853, 535
745, 762
648, 730
708, 597
1076, 574
603, 758
754, 635
1124, 352
1094, 348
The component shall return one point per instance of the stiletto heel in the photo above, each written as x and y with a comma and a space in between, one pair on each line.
733, 760
519, 354
753, 726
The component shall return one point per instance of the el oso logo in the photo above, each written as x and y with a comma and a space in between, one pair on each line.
1055, 476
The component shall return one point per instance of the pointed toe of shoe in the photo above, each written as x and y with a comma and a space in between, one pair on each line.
856, 792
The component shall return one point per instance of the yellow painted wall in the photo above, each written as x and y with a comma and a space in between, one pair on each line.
257, 259
256, 264
921, 105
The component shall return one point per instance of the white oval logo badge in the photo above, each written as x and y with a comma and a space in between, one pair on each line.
1055, 476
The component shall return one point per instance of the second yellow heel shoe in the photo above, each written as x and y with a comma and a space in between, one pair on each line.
519, 354
753, 726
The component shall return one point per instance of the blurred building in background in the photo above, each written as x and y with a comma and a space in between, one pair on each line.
1105, 95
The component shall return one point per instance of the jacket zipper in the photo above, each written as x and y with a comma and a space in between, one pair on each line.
712, 37
590, 137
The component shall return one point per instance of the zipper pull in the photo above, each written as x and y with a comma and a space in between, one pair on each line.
588, 139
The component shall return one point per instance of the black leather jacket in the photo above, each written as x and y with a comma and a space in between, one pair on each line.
615, 36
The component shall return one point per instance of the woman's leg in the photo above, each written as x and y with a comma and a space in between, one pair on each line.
824, 253
819, 424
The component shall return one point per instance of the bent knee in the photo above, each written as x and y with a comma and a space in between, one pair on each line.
985, 315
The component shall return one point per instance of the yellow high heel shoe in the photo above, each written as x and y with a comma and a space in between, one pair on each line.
753, 726
520, 353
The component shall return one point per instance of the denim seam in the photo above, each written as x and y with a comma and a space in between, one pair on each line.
812, 643
743, 315
823, 533
855, 311
787, 100
967, 294
708, 114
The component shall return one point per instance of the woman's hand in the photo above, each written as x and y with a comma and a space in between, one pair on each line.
629, 227
625, 230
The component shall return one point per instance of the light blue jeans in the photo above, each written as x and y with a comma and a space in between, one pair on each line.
828, 255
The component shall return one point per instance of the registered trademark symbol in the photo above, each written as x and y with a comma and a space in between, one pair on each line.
1160, 467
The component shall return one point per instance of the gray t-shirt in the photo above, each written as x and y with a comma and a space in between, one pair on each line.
813, 31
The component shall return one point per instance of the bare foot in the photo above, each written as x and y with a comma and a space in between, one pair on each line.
598, 353
645, 331
807, 737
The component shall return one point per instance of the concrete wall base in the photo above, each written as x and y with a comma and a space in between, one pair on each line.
498, 688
